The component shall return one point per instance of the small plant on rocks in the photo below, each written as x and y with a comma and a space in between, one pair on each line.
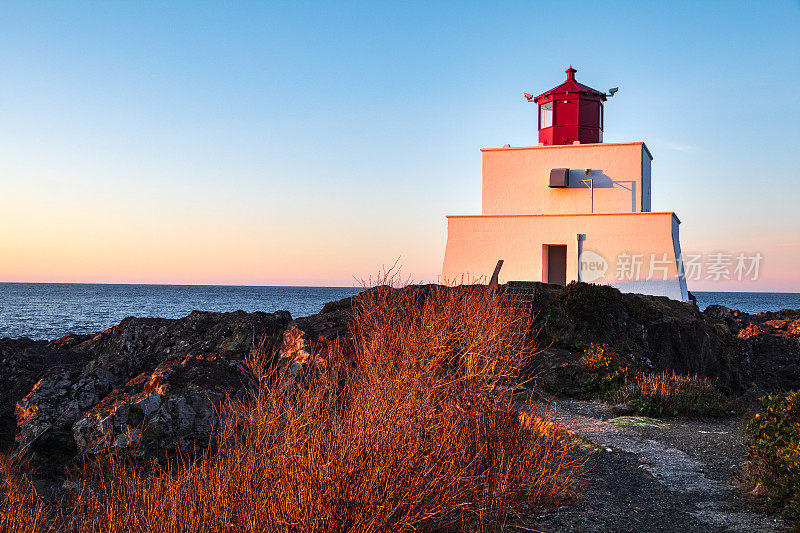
604, 375
665, 394
774, 434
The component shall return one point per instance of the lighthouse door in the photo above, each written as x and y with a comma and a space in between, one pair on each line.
555, 264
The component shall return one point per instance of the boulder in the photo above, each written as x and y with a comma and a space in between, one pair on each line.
556, 371
23, 363
770, 362
45, 416
167, 368
651, 332
173, 408
766, 346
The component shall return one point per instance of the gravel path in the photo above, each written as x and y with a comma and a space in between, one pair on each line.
675, 476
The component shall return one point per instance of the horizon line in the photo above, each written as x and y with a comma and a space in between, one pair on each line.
304, 286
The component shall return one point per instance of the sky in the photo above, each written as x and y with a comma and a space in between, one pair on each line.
313, 143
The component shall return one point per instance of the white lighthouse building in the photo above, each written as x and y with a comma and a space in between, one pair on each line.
571, 208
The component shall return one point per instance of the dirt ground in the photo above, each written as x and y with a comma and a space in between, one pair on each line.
678, 475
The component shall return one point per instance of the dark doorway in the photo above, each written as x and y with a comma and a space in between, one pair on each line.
556, 263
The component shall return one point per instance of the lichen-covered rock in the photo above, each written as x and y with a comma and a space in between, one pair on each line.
45, 416
174, 408
171, 370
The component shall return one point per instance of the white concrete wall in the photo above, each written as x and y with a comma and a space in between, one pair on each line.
475, 243
516, 180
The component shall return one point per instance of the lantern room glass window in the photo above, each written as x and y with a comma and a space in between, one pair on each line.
546, 115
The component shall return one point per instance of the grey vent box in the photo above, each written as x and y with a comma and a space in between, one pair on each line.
559, 177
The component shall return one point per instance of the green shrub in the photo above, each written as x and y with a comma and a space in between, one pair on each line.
774, 435
604, 375
651, 408
666, 394
655, 395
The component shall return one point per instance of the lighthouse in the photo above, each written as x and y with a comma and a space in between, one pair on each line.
570, 113
570, 208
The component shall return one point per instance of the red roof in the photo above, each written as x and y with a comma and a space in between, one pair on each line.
572, 86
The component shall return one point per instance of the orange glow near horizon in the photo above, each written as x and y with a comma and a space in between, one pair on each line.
96, 238
105, 248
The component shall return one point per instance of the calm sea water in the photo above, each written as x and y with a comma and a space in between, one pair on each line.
49, 310
749, 302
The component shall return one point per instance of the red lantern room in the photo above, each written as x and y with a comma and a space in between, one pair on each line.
570, 112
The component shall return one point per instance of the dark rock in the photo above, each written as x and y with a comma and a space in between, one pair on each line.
139, 344
168, 368
22, 363
45, 416
173, 408
556, 371
765, 345
717, 312
771, 362
653, 332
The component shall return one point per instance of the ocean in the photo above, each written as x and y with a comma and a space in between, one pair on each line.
50, 310
749, 302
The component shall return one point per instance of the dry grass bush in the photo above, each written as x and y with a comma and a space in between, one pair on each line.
408, 428
21, 510
671, 394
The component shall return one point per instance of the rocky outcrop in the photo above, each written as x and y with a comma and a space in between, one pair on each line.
22, 363
767, 345
737, 351
650, 332
148, 384
173, 408
151, 386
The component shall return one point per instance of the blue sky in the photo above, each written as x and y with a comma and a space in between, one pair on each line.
272, 143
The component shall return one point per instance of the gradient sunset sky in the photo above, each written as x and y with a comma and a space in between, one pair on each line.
311, 143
